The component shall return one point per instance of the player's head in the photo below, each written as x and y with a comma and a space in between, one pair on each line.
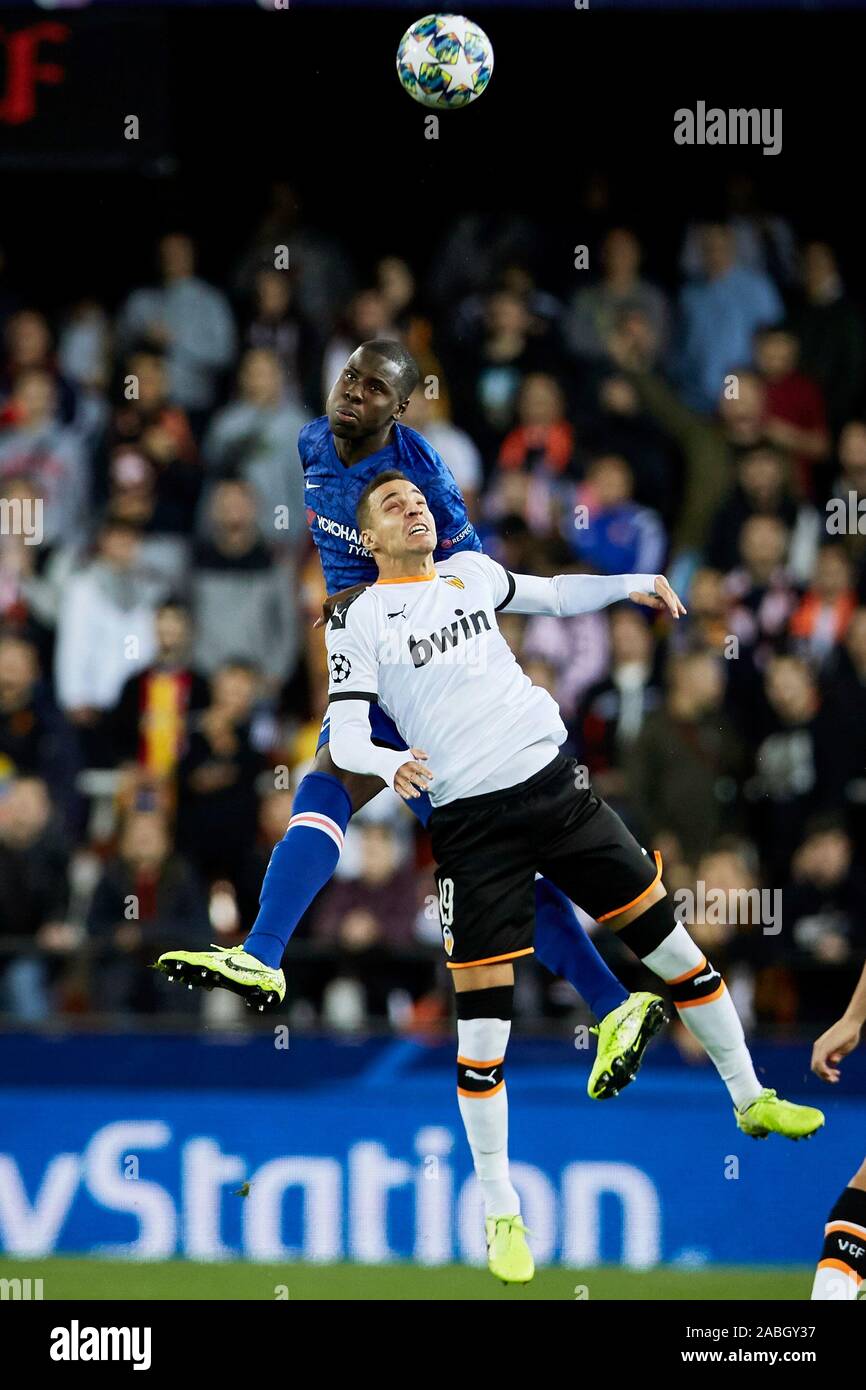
394, 519
372, 389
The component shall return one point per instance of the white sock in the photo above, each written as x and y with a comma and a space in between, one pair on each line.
710, 1016
832, 1284
841, 1271
483, 1102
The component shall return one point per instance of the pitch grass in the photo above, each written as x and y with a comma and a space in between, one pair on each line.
72, 1279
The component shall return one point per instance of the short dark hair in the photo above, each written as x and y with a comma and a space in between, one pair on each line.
362, 510
407, 368
176, 602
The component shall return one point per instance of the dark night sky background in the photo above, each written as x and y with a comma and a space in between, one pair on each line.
231, 99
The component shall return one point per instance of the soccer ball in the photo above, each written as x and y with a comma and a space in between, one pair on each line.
444, 61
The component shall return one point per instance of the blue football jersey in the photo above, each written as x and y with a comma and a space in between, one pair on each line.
331, 493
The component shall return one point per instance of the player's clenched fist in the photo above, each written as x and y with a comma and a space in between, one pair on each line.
412, 778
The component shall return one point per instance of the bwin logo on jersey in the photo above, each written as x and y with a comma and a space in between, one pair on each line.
421, 649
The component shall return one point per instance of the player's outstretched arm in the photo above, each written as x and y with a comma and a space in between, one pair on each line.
842, 1037
566, 595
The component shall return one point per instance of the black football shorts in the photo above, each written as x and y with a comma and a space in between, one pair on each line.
489, 848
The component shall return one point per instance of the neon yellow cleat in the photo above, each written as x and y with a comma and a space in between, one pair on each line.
769, 1114
226, 968
508, 1255
623, 1035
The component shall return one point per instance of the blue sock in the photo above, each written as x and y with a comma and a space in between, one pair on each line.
301, 864
564, 948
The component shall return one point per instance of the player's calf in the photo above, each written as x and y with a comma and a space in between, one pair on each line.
483, 1028
841, 1272
706, 1009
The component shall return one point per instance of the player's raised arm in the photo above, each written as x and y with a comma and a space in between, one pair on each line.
566, 595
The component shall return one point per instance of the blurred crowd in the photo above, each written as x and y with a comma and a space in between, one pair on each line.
162, 686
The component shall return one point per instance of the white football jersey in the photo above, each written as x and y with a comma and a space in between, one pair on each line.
431, 653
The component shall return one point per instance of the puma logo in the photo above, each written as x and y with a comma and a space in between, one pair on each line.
400, 614
711, 974
480, 1077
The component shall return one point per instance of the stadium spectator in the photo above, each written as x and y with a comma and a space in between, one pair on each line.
35, 445
844, 686
845, 511
718, 316
133, 500
821, 620
324, 277
614, 420
35, 741
614, 709
276, 325
796, 418
542, 441
153, 426
762, 489
274, 812
243, 599
34, 896
831, 333
825, 899
151, 719
763, 241
474, 251
217, 797
487, 372
574, 651
709, 447
609, 531
84, 346
30, 348
800, 765
454, 445
187, 319
365, 919
105, 632
146, 894
256, 438
686, 761
596, 310
761, 591
707, 624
